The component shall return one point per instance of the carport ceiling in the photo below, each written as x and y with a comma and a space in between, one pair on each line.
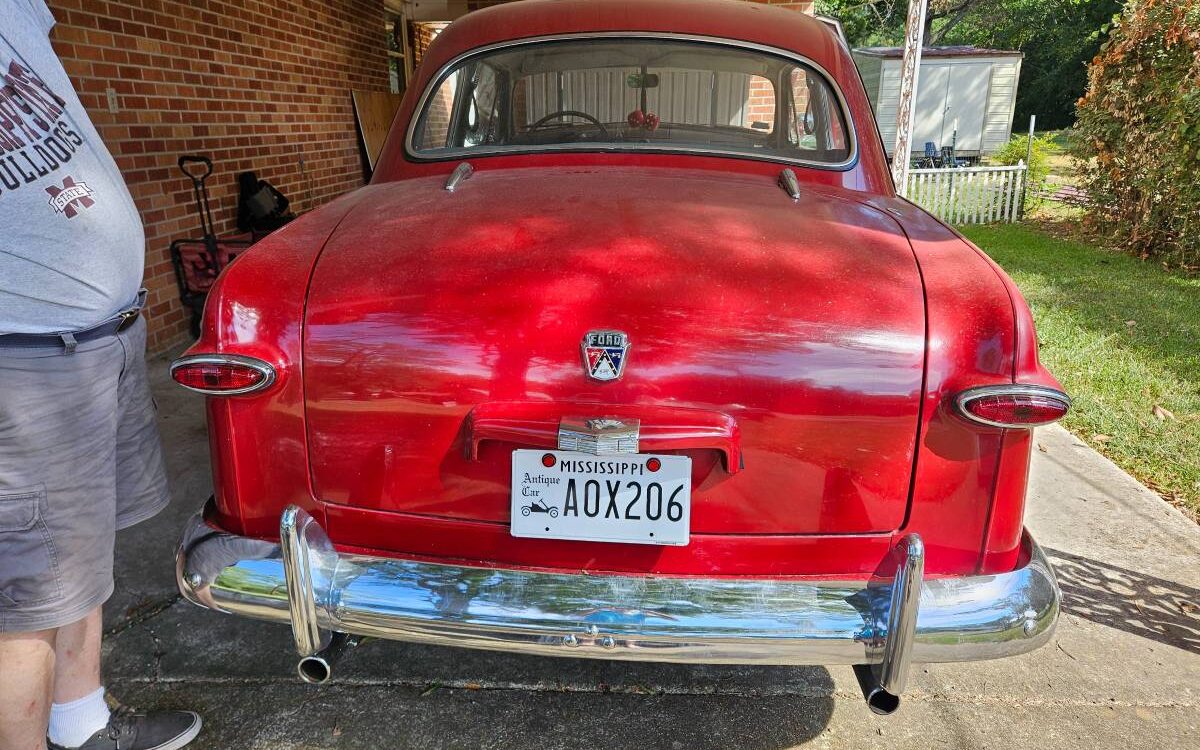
437, 10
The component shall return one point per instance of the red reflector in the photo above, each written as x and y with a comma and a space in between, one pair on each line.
1014, 406
219, 376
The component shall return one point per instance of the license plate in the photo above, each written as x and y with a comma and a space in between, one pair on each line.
633, 498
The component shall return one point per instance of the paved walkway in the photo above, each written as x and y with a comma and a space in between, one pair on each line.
1122, 672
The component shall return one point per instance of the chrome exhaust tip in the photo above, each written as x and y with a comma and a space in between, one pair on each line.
317, 669
314, 670
880, 701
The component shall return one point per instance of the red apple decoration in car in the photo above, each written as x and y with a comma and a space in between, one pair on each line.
636, 118
652, 121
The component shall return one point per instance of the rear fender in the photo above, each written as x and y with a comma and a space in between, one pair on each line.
975, 336
1002, 544
257, 441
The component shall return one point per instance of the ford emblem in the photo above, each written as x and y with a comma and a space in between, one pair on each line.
604, 354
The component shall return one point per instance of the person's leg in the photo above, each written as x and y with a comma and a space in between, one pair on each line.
26, 679
77, 659
79, 710
57, 526
79, 458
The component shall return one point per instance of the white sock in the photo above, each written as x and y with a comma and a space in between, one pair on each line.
72, 724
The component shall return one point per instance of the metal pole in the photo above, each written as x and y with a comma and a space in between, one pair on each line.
1028, 156
1029, 145
910, 71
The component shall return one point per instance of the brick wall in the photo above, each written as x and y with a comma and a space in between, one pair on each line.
422, 37
254, 85
761, 106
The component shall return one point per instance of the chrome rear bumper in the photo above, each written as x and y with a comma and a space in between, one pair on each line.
886, 622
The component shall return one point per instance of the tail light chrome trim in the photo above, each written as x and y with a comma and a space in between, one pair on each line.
258, 365
963, 400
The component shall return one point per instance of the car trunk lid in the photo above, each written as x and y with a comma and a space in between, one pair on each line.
784, 336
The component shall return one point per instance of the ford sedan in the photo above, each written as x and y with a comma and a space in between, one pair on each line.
629, 350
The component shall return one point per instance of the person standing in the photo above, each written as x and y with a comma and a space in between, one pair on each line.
80, 456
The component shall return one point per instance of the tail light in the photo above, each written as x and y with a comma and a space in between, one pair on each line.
222, 374
1014, 406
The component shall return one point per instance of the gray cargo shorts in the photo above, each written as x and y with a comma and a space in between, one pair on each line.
80, 458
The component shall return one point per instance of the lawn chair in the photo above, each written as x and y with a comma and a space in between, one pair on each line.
950, 159
931, 154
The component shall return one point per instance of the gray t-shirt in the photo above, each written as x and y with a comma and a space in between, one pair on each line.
72, 248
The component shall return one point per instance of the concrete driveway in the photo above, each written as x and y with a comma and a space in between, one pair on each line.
1122, 672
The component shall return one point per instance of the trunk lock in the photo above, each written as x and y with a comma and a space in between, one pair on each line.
598, 435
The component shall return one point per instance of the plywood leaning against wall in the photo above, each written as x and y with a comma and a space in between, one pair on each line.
374, 111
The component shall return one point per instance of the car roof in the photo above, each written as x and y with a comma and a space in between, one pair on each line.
751, 22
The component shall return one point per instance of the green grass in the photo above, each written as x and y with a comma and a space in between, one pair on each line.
1123, 336
1060, 137
1061, 170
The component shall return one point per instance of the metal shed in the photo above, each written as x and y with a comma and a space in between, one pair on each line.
965, 96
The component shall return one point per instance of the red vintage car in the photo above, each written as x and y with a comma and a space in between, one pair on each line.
629, 350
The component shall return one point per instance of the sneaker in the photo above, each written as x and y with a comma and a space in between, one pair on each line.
127, 730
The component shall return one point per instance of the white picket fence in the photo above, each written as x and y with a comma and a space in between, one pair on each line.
969, 195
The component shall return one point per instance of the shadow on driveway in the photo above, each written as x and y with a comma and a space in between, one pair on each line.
1144, 605
373, 716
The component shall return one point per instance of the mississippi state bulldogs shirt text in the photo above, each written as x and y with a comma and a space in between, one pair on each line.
71, 241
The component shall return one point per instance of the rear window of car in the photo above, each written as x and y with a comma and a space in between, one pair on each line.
632, 94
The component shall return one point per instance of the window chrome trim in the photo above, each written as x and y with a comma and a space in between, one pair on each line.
974, 394
411, 153
267, 371
837, 27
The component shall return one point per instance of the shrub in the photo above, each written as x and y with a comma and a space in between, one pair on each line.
1038, 167
1138, 132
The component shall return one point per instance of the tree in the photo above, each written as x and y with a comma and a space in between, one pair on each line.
1138, 134
882, 21
1058, 38
945, 15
